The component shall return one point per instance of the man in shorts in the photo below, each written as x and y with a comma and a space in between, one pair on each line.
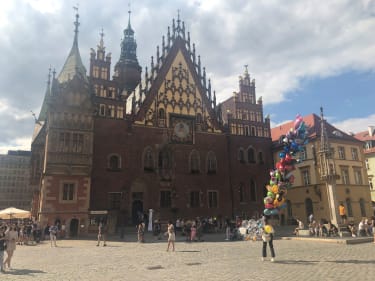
342, 213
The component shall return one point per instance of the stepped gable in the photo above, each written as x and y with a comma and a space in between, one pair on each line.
176, 60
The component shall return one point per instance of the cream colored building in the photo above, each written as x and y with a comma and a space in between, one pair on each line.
309, 193
368, 137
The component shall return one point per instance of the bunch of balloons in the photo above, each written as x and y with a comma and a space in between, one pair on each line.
282, 177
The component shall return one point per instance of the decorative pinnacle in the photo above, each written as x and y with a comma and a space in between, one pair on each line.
101, 39
246, 70
76, 24
129, 12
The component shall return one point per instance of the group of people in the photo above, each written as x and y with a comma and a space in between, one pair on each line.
8, 241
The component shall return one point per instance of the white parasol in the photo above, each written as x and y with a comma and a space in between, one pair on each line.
14, 213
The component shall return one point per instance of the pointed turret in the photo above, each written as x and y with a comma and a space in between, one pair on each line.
127, 69
73, 65
47, 95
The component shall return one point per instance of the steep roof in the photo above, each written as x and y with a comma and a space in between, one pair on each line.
73, 64
365, 135
312, 122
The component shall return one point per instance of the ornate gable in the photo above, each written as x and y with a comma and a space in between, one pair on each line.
177, 88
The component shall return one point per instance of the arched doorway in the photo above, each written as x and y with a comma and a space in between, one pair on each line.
73, 229
137, 211
309, 207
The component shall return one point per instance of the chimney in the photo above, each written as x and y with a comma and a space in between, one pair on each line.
371, 130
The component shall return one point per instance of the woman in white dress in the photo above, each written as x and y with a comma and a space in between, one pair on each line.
11, 236
171, 235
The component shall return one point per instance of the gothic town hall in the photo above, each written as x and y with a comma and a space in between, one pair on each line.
111, 144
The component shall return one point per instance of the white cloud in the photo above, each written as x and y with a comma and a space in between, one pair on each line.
355, 125
281, 41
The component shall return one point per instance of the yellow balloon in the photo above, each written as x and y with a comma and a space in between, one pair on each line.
267, 229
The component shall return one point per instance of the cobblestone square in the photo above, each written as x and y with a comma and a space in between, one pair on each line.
213, 259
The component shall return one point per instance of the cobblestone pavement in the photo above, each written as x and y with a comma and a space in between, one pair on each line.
214, 259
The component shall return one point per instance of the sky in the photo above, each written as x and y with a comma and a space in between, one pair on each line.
302, 54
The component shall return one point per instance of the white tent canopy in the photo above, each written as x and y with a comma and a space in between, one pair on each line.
14, 213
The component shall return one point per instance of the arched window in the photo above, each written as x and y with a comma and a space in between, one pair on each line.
309, 207
349, 207
199, 118
164, 160
161, 113
148, 160
253, 191
250, 155
211, 163
194, 162
241, 155
362, 207
114, 162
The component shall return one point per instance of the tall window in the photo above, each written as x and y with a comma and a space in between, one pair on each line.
354, 153
111, 111
148, 161
68, 192
345, 176
241, 155
306, 176
309, 206
120, 112
114, 200
253, 191
211, 163
77, 142
260, 157
165, 199
212, 199
349, 207
303, 155
194, 199
164, 161
64, 142
341, 151
114, 162
362, 207
358, 176
102, 109
241, 191
251, 155
194, 162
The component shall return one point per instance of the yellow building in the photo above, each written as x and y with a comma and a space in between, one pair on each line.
322, 183
368, 137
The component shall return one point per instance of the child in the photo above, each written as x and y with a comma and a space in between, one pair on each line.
267, 236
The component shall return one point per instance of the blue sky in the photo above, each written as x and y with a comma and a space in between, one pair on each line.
302, 54
345, 98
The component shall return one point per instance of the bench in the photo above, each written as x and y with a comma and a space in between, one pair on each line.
303, 232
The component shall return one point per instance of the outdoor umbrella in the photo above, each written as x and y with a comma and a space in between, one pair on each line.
14, 213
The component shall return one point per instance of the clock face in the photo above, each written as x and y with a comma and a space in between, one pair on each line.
181, 130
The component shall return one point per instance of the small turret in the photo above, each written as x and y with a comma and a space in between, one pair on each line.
127, 69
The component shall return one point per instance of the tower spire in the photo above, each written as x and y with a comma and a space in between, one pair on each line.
73, 65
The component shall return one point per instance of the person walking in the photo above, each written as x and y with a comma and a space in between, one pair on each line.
11, 236
267, 237
52, 234
102, 233
171, 235
141, 232
2, 248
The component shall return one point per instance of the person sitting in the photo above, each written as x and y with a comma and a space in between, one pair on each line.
299, 227
352, 229
332, 229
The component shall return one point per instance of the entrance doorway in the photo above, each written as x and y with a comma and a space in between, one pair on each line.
137, 211
73, 228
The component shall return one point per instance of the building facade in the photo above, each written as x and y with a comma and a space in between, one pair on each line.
311, 192
14, 180
114, 148
368, 138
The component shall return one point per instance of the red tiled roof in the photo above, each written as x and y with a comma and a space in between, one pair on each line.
364, 136
312, 122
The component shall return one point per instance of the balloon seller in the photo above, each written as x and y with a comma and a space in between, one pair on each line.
282, 178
